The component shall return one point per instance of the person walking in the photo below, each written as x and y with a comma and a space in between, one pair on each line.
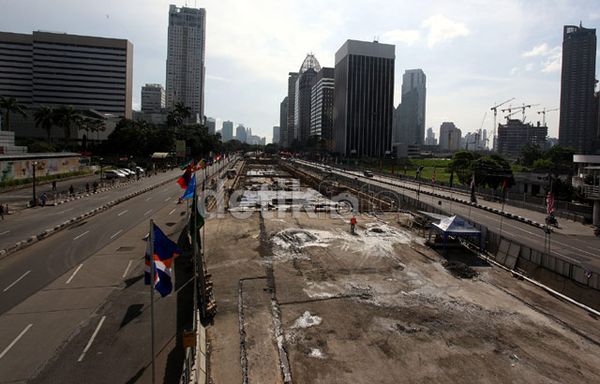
2, 211
95, 186
54, 186
87, 187
353, 225
43, 199
71, 191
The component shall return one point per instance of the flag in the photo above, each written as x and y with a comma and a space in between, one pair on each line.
433, 176
200, 165
187, 175
550, 203
473, 197
164, 251
196, 221
191, 189
504, 189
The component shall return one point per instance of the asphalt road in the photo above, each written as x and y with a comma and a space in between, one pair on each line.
26, 223
53, 297
574, 242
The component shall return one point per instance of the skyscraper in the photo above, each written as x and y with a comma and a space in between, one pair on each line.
430, 139
211, 124
240, 133
287, 135
364, 97
153, 98
283, 112
409, 117
275, 135
321, 121
306, 79
185, 59
577, 111
227, 131
450, 137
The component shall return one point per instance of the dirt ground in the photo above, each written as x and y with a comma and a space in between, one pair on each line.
302, 300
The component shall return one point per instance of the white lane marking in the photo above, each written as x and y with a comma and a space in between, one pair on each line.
80, 236
174, 209
168, 198
66, 210
89, 344
16, 281
15, 341
127, 269
148, 199
74, 273
122, 213
4, 233
116, 234
147, 212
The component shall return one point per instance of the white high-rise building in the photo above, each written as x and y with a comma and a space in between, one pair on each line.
185, 59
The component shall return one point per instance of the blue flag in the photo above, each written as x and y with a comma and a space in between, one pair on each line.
164, 252
191, 187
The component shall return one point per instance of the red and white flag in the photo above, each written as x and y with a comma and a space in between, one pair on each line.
433, 176
550, 203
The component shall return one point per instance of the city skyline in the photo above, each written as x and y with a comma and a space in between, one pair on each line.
520, 59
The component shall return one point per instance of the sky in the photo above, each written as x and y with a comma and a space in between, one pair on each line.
475, 53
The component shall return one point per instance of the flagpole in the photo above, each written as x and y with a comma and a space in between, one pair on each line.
152, 279
195, 245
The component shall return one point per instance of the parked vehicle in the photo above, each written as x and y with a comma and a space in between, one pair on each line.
114, 174
127, 171
368, 173
140, 170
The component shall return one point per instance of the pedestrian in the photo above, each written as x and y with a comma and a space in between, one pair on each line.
87, 187
95, 186
54, 186
71, 190
43, 199
353, 225
2, 211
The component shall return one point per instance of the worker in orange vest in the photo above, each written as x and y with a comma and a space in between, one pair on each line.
353, 224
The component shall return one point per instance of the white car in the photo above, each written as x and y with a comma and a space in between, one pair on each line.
114, 174
140, 170
127, 171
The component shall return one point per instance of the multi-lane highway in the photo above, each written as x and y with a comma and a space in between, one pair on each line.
72, 304
574, 241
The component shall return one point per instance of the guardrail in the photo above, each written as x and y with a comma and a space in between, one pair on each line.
591, 191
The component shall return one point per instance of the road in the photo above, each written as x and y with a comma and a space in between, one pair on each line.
77, 296
30, 222
574, 242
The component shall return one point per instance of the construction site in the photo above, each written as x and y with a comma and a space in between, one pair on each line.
302, 298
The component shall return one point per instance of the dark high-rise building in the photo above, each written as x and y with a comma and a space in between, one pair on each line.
211, 124
185, 59
409, 117
227, 131
321, 121
577, 112
513, 135
275, 139
306, 79
287, 133
364, 98
283, 113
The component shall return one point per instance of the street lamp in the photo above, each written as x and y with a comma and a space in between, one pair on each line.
101, 164
34, 201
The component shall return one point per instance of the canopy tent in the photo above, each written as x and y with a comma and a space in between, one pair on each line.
455, 226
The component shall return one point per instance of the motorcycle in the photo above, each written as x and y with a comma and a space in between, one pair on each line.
551, 220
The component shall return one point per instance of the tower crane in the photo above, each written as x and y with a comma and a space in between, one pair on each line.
510, 114
495, 109
543, 113
523, 107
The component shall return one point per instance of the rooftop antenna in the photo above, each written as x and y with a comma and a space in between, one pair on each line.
376, 39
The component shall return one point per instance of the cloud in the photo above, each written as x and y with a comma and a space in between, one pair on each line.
442, 28
552, 62
538, 50
408, 37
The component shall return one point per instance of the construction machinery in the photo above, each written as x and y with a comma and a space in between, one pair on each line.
495, 109
543, 113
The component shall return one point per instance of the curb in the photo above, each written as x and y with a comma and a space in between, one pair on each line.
19, 245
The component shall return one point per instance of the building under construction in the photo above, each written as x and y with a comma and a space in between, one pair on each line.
515, 134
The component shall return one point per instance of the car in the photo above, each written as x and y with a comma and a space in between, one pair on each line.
368, 173
114, 174
127, 171
139, 170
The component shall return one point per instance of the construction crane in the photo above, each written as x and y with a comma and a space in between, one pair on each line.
480, 132
495, 109
510, 114
523, 107
543, 113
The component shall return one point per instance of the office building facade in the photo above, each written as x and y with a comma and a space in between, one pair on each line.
283, 113
409, 118
287, 135
153, 98
364, 97
450, 137
241, 134
275, 139
577, 127
211, 124
227, 131
306, 79
186, 58
56, 69
321, 120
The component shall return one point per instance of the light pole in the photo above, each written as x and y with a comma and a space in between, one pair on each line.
101, 164
34, 201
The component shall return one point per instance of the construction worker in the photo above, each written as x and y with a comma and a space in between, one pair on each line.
353, 224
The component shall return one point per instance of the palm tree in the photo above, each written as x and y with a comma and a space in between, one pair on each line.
66, 117
9, 105
44, 117
178, 115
